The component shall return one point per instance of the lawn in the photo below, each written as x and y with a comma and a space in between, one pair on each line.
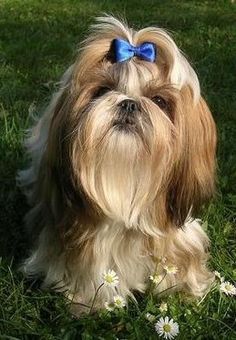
38, 41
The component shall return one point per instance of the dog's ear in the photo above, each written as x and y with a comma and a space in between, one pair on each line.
52, 161
193, 180
54, 184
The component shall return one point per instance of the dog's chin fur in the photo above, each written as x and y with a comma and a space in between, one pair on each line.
112, 192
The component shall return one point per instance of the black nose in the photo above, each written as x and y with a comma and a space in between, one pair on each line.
128, 105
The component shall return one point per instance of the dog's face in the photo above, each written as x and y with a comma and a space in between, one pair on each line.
137, 141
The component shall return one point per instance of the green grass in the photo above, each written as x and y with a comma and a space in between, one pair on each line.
38, 40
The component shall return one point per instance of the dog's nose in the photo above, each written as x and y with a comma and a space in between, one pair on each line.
128, 106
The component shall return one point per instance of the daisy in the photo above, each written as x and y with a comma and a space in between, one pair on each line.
218, 275
227, 288
119, 301
150, 317
167, 328
163, 307
156, 278
170, 269
110, 278
110, 306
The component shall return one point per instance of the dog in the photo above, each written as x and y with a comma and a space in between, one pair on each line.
121, 161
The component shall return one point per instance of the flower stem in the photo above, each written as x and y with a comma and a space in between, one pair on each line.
153, 286
81, 304
165, 290
95, 296
164, 276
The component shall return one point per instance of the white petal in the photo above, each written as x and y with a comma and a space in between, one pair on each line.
166, 319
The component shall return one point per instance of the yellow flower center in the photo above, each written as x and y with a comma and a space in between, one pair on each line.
109, 278
227, 287
167, 328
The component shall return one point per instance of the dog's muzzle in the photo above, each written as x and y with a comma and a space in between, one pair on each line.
127, 114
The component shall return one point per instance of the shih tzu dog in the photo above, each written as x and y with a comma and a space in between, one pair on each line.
122, 158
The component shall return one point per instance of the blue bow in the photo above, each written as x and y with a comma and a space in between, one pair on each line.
124, 51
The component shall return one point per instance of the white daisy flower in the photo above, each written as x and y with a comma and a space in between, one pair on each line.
110, 306
163, 307
110, 278
227, 288
150, 317
218, 275
119, 301
156, 278
170, 269
167, 328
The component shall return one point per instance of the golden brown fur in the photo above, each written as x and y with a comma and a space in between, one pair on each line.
104, 197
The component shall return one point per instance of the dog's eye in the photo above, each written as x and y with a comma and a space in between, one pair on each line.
164, 105
101, 91
161, 102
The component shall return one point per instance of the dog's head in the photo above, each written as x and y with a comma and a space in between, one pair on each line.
133, 137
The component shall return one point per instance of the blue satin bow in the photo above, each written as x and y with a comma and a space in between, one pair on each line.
124, 51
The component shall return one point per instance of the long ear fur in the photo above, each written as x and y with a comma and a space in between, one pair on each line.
44, 146
193, 180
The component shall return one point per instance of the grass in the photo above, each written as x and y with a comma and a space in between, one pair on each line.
38, 40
